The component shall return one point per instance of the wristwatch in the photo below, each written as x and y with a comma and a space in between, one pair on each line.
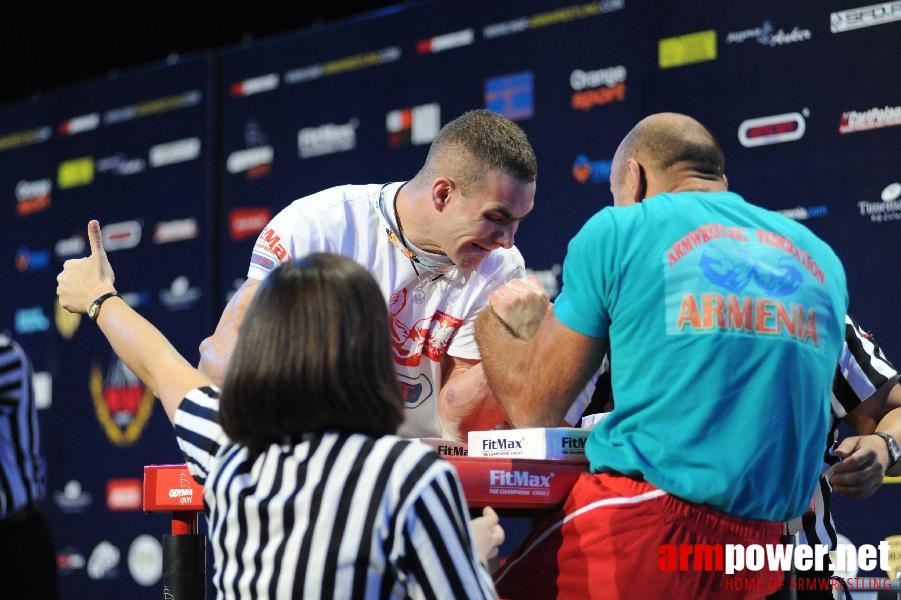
94, 309
894, 450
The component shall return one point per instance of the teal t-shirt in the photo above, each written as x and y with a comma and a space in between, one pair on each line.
725, 323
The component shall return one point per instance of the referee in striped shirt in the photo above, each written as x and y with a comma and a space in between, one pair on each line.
27, 553
866, 396
307, 491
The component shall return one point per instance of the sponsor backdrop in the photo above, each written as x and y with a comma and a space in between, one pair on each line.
137, 153
185, 163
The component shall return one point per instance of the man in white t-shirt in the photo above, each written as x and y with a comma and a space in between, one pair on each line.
438, 245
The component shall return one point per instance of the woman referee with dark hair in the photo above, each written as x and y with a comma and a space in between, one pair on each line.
309, 493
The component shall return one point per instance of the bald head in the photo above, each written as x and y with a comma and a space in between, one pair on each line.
673, 152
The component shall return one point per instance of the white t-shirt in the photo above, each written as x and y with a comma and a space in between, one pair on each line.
348, 220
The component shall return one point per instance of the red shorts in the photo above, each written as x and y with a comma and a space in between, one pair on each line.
605, 542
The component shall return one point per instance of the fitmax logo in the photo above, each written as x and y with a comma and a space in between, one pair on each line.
501, 444
575, 443
521, 479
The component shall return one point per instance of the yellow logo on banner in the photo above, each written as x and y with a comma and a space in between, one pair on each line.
66, 322
75, 172
24, 138
687, 49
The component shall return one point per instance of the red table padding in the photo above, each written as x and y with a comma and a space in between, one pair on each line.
516, 482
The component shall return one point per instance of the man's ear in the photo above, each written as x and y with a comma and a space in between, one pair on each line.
636, 184
725, 181
441, 191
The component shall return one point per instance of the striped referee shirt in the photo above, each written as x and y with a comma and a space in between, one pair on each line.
333, 515
862, 369
21, 470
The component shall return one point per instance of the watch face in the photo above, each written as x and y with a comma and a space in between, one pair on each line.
92, 310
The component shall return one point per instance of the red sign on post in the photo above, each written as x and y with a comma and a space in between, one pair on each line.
171, 488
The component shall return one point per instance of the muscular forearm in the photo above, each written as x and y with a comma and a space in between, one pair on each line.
509, 366
466, 404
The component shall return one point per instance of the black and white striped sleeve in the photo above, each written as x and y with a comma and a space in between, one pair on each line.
443, 557
197, 428
862, 369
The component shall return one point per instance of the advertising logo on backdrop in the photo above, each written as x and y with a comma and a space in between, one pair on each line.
803, 213
75, 172
30, 319
328, 138
254, 85
177, 230
72, 499
26, 137
446, 41
121, 402
346, 64
32, 260
42, 384
69, 559
124, 494
767, 35
248, 221
586, 170
255, 160
180, 294
174, 152
72, 246
120, 164
597, 87
66, 322
873, 118
511, 95
773, 129
122, 236
415, 125
145, 560
559, 16
79, 124
104, 561
865, 16
155, 106
687, 49
33, 196
887, 208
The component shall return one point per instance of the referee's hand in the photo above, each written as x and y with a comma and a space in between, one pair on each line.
863, 464
487, 533
83, 280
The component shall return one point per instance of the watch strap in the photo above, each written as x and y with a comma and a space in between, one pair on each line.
94, 310
894, 450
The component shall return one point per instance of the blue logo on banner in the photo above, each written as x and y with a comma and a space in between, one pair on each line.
32, 260
31, 320
511, 95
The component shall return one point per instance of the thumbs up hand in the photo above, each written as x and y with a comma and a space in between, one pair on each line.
83, 280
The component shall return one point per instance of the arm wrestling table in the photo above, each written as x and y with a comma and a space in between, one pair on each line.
517, 486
